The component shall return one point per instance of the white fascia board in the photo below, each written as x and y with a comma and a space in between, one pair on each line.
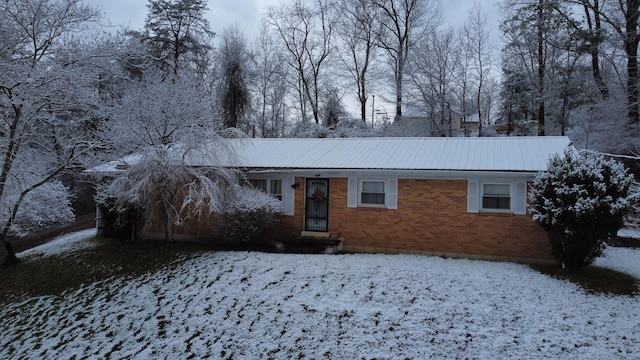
401, 174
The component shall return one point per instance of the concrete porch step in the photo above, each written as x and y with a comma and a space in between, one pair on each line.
309, 245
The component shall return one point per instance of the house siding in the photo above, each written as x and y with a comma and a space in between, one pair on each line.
431, 218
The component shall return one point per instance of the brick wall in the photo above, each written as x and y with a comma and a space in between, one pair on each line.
431, 218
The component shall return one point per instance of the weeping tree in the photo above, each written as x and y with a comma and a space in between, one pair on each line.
169, 124
163, 189
581, 201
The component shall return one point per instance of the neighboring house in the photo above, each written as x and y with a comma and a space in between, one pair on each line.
471, 122
458, 197
450, 120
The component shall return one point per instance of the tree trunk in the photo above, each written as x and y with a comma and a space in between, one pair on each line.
478, 100
363, 101
594, 45
541, 68
10, 257
631, 49
399, 77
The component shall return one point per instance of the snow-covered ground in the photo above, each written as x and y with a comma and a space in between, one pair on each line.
247, 305
63, 244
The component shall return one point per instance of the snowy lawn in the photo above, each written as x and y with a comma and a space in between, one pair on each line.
248, 305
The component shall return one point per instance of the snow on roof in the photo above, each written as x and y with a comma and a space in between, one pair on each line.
491, 154
524, 154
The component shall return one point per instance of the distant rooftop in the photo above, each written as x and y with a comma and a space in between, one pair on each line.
519, 154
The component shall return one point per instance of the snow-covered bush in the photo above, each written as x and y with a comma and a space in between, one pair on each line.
248, 214
580, 200
307, 129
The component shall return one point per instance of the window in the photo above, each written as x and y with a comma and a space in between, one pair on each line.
372, 193
273, 187
276, 188
496, 196
381, 193
259, 184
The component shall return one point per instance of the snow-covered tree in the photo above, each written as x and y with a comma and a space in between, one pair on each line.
179, 33
165, 190
167, 120
47, 95
233, 60
581, 201
159, 110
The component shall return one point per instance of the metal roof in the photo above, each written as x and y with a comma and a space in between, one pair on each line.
466, 154
521, 154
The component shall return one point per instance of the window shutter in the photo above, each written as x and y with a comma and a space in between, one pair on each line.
289, 196
352, 193
392, 194
521, 198
473, 190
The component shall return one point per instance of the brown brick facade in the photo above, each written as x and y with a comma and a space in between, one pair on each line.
431, 218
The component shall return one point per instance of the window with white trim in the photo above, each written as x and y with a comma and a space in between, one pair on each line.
372, 192
270, 186
496, 196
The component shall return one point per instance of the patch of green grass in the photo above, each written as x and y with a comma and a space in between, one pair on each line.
595, 279
55, 274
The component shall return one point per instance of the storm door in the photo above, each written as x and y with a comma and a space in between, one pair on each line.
317, 205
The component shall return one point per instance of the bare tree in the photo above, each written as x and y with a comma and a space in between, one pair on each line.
357, 41
306, 32
403, 22
269, 84
462, 75
594, 36
476, 31
628, 32
431, 70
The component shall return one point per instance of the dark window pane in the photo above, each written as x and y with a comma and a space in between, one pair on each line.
496, 202
276, 188
372, 198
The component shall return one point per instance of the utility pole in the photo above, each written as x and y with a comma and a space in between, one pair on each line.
373, 106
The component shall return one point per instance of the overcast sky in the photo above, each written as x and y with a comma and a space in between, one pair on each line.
247, 13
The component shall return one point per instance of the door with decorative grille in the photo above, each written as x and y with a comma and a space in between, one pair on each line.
317, 205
